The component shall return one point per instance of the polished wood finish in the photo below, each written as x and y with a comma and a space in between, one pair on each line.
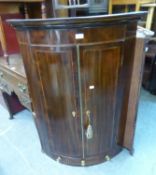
3, 40
99, 67
79, 75
134, 93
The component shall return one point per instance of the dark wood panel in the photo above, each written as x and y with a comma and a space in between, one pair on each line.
100, 66
134, 94
57, 75
37, 100
125, 82
89, 35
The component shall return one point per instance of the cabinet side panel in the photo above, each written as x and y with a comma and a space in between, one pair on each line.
126, 79
34, 91
134, 94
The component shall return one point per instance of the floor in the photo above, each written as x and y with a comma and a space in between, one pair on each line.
20, 151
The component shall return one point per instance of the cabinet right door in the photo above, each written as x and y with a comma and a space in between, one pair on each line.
99, 69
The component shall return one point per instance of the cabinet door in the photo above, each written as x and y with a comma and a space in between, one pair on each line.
99, 68
57, 78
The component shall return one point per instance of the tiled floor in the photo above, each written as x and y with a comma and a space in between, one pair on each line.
20, 151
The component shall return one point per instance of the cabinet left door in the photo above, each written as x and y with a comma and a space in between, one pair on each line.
57, 104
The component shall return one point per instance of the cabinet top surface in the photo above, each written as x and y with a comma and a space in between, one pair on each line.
76, 22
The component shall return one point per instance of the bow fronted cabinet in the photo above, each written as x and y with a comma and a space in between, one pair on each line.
79, 72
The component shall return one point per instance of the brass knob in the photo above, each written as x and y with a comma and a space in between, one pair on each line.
26, 101
22, 87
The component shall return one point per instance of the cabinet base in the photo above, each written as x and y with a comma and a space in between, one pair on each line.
87, 161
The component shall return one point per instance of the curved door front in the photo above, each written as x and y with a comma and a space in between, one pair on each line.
99, 66
56, 69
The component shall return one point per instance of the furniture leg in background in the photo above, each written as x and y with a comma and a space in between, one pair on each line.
149, 78
3, 41
12, 103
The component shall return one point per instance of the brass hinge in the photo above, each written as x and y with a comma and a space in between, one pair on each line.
107, 158
58, 159
83, 162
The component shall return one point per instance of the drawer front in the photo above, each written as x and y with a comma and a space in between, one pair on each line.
77, 36
16, 82
11, 82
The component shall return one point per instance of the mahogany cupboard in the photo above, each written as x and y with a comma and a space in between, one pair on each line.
79, 72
